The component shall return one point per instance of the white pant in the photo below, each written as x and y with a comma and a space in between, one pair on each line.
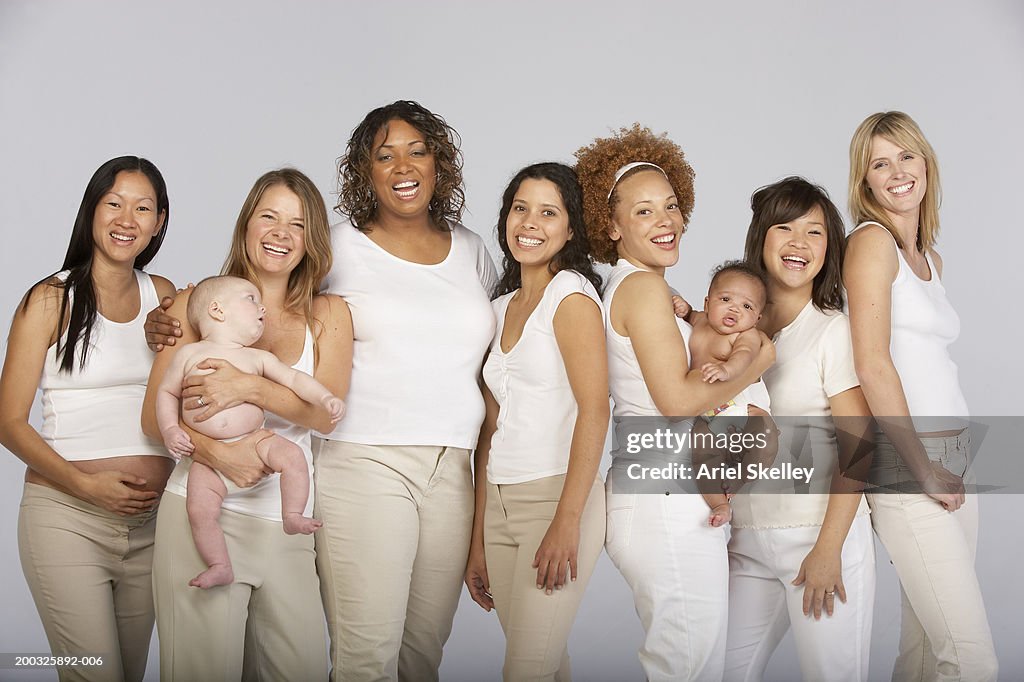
763, 604
677, 567
944, 632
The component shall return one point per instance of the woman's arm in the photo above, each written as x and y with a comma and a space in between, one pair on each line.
238, 461
33, 330
579, 331
227, 387
822, 568
869, 270
648, 319
476, 565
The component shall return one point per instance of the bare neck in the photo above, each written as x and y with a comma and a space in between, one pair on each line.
783, 307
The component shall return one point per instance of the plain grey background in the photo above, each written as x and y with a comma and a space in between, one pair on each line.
753, 91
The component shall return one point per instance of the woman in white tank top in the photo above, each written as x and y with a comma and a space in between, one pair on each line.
638, 195
902, 324
93, 480
540, 517
269, 620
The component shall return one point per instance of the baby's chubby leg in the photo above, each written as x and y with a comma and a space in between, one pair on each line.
206, 493
286, 458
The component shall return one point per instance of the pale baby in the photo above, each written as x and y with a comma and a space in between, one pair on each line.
228, 314
725, 341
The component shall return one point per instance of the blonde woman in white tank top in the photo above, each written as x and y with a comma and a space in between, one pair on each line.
638, 195
281, 243
902, 324
85, 531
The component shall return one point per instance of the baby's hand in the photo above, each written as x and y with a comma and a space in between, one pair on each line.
721, 514
336, 406
715, 371
178, 443
681, 307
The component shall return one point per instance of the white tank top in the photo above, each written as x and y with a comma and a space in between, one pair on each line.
537, 409
95, 412
625, 380
263, 500
924, 324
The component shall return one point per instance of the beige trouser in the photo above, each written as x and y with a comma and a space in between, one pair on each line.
267, 625
89, 573
391, 555
944, 633
536, 624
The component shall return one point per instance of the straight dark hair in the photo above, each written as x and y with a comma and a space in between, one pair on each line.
787, 200
78, 300
575, 255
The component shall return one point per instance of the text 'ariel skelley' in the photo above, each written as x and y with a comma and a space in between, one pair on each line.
722, 472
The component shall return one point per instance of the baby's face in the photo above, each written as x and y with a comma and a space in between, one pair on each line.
734, 303
243, 312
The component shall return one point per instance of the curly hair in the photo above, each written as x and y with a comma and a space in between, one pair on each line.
597, 164
356, 198
575, 255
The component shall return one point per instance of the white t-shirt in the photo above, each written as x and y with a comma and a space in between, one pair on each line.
538, 411
813, 362
421, 332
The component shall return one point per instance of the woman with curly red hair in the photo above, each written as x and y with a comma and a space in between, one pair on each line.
638, 196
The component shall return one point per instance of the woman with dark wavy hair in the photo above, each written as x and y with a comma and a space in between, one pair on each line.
539, 519
93, 479
393, 482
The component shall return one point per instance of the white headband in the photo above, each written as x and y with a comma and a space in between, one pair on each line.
630, 166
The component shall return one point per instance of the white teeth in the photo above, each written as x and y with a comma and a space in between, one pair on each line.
407, 184
667, 239
901, 189
795, 259
280, 250
529, 241
122, 237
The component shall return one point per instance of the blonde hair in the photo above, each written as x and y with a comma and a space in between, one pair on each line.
305, 280
903, 131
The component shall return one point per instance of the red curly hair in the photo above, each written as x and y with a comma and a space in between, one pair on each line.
596, 165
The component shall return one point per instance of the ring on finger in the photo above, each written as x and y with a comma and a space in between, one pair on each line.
201, 403
830, 594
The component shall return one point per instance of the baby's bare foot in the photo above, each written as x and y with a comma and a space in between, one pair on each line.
297, 523
721, 514
218, 574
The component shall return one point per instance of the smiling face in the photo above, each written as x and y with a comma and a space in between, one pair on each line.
734, 303
794, 252
402, 171
646, 221
126, 218
537, 227
275, 233
897, 179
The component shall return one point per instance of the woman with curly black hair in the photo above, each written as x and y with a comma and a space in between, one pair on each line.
540, 519
393, 482
638, 195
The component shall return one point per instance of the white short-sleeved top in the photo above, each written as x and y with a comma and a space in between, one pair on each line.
421, 333
537, 409
813, 362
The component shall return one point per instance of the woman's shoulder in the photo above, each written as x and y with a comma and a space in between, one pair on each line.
164, 287
567, 282
330, 306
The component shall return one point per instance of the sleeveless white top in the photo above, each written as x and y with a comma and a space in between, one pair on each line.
537, 409
263, 500
421, 334
95, 412
625, 380
924, 324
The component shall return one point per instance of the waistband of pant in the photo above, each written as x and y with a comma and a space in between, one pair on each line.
34, 492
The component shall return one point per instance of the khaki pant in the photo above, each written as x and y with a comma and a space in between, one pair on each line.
267, 625
536, 624
89, 573
391, 555
944, 633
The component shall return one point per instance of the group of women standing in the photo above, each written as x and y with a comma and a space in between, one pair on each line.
393, 309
